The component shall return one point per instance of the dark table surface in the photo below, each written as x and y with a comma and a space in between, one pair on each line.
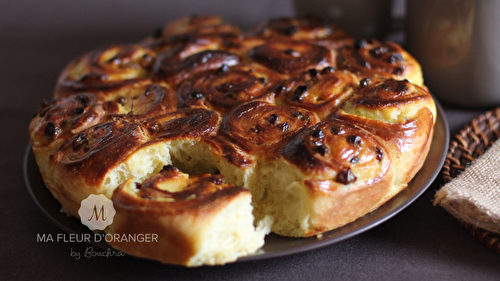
37, 39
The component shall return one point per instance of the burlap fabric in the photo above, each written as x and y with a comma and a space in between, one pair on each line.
474, 195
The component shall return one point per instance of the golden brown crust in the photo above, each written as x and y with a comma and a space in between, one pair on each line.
110, 68
305, 28
225, 148
141, 103
292, 57
407, 140
173, 71
55, 123
197, 25
320, 128
347, 172
189, 123
320, 92
261, 128
95, 151
166, 205
381, 93
175, 247
339, 148
65, 117
195, 193
229, 86
372, 58
241, 45
181, 46
402, 114
337, 206
389, 100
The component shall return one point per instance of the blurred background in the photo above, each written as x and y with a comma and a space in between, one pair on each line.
454, 40
38, 38
64, 29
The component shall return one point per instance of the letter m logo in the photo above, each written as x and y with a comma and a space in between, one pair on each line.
96, 212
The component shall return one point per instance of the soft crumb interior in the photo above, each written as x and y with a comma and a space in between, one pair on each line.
231, 234
279, 193
197, 157
189, 156
276, 187
238, 238
280, 201
141, 164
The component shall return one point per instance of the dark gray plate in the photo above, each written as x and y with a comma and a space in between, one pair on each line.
275, 245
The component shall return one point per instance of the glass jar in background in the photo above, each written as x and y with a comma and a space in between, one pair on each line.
457, 42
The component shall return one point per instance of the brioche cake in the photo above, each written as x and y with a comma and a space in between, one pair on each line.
211, 137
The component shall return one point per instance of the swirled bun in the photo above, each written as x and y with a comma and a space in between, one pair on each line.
211, 137
306, 28
341, 172
110, 68
372, 58
226, 87
402, 114
187, 212
321, 92
290, 57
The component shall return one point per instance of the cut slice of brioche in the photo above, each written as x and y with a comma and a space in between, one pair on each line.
212, 225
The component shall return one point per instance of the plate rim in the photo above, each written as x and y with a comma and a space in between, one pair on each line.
259, 255
442, 118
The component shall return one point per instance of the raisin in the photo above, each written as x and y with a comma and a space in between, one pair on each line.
395, 58
217, 180
273, 119
223, 69
399, 70
79, 141
197, 95
299, 115
365, 82
335, 130
79, 110
318, 133
328, 69
359, 44
158, 32
299, 92
355, 140
85, 100
50, 129
322, 150
285, 127
378, 51
169, 167
345, 177
313, 72
379, 154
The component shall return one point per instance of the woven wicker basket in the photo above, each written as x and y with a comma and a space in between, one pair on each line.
470, 143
